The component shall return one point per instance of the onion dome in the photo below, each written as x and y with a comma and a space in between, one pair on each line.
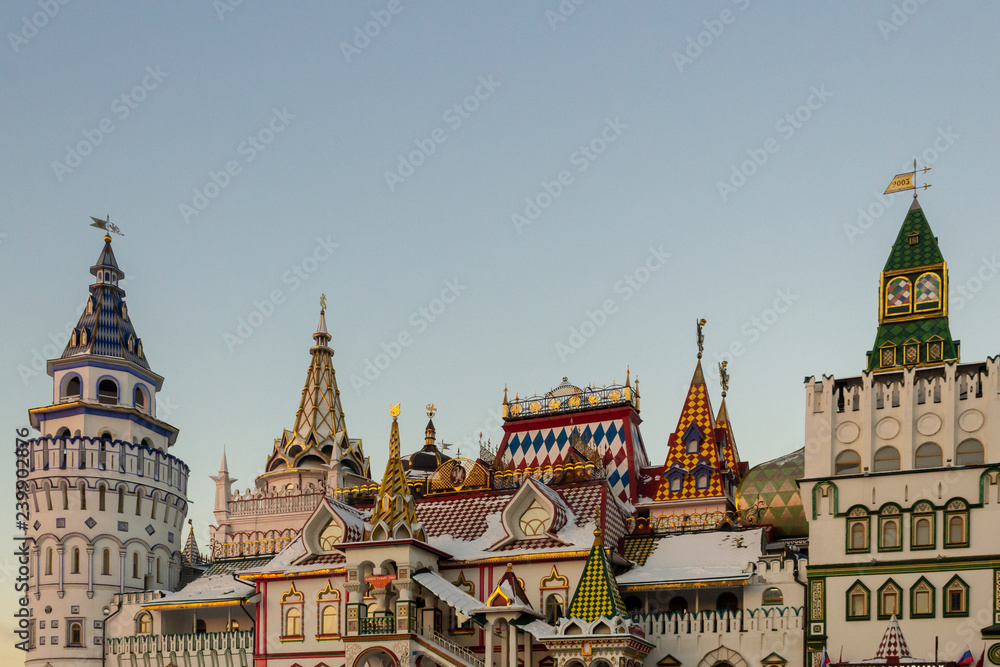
428, 459
772, 488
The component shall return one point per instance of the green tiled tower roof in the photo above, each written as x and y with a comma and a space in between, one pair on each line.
771, 486
597, 594
913, 301
925, 253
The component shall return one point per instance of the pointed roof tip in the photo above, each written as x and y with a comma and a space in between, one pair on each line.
321, 327
224, 466
915, 206
699, 375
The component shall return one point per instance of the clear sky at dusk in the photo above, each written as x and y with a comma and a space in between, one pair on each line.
517, 191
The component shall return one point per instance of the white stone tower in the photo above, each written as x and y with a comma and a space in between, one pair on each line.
107, 500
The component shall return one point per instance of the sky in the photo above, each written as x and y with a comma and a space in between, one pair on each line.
489, 195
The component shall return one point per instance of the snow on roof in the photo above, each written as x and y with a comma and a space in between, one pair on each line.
208, 588
448, 592
699, 557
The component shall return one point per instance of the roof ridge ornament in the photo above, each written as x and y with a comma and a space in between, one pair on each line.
724, 377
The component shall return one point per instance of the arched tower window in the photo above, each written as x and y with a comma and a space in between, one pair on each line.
75, 569
848, 463
101, 493
928, 456
106, 561
969, 452
898, 296
135, 565
144, 623
886, 459
72, 388
121, 499
139, 398
107, 391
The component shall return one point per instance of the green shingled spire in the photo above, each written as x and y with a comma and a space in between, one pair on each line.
597, 593
913, 301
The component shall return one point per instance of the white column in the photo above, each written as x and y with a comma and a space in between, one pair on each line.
504, 644
512, 645
488, 642
527, 648
121, 570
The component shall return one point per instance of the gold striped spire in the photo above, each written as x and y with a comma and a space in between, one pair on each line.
394, 515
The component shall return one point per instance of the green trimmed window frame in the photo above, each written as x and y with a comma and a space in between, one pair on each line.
956, 586
922, 523
956, 524
890, 533
859, 602
857, 538
889, 591
922, 599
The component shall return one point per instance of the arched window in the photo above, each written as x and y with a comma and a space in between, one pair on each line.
121, 499
135, 565
138, 502
772, 596
159, 578
886, 459
858, 540
48, 561
923, 535
101, 493
330, 622
701, 481
727, 602
848, 462
75, 565
889, 538
956, 530
897, 296
106, 561
62, 433
75, 634
200, 627
675, 484
928, 456
144, 623
293, 622
331, 535
677, 604
928, 290
65, 493
233, 625
139, 398
554, 608
72, 387
970, 452
857, 599
107, 391
535, 520
83, 495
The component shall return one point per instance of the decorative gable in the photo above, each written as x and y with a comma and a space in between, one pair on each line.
534, 511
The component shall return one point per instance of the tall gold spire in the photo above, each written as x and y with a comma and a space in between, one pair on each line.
394, 515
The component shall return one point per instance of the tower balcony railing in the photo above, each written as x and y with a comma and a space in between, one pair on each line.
590, 397
241, 640
377, 625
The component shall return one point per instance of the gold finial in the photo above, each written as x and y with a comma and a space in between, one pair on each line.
190, 522
394, 411
430, 410
701, 337
724, 377
510, 566
322, 302
505, 394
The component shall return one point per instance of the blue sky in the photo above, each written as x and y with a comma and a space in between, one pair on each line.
531, 165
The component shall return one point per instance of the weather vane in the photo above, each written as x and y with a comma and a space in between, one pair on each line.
701, 337
431, 410
724, 377
322, 301
106, 225
905, 181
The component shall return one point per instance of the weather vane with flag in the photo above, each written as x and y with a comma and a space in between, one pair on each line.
905, 181
106, 225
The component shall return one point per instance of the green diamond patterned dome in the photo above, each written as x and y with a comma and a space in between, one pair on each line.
772, 486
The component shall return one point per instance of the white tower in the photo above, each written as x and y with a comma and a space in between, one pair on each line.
107, 500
